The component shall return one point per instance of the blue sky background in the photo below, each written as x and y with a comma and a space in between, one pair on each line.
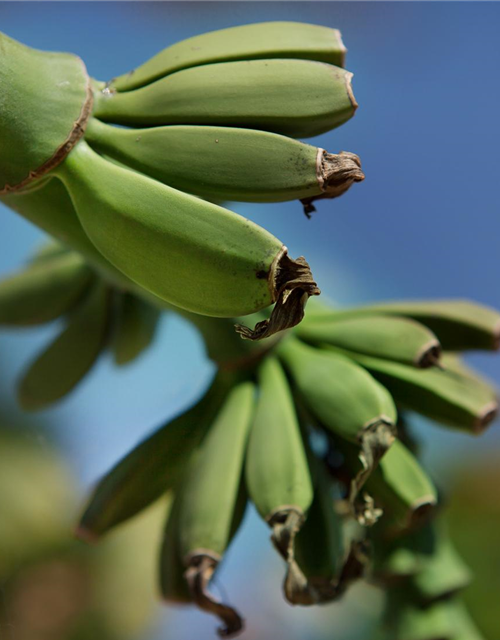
425, 223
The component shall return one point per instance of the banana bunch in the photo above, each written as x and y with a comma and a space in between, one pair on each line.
209, 119
58, 283
423, 576
254, 437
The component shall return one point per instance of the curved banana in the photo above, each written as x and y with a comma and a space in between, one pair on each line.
319, 548
135, 328
297, 98
391, 338
45, 290
59, 368
229, 163
412, 622
345, 399
246, 42
189, 252
442, 572
276, 468
173, 585
209, 499
451, 397
152, 468
458, 324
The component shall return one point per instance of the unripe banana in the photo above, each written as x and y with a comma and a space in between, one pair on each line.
48, 250
346, 400
152, 468
135, 328
391, 338
297, 98
442, 572
465, 628
209, 498
450, 397
319, 548
226, 163
276, 468
247, 42
399, 485
65, 362
173, 585
45, 290
412, 622
217, 263
458, 324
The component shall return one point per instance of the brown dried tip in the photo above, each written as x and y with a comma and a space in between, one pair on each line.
291, 283
375, 440
198, 575
286, 522
335, 173
429, 355
488, 414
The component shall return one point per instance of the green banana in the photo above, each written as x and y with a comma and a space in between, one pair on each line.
297, 98
345, 399
173, 585
430, 623
64, 363
426, 557
458, 324
450, 397
247, 42
217, 262
209, 498
319, 548
226, 163
43, 291
391, 338
276, 468
399, 485
464, 626
152, 468
48, 250
135, 328
442, 572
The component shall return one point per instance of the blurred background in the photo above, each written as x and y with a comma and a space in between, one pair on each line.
425, 223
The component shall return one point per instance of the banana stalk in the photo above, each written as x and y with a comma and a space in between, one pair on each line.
229, 163
248, 42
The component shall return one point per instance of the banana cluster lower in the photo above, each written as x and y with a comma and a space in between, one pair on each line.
314, 437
